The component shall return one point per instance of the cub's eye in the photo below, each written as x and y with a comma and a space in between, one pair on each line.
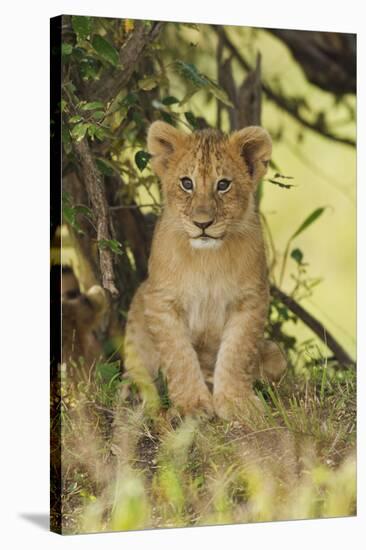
223, 185
186, 184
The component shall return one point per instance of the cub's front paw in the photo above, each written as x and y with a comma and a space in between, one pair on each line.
194, 403
242, 407
273, 362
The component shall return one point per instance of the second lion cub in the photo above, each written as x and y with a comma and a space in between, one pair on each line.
200, 314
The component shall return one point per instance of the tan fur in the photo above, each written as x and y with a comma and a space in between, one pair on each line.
200, 315
81, 315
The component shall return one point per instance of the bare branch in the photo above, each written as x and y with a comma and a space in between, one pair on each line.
316, 326
94, 186
282, 102
328, 59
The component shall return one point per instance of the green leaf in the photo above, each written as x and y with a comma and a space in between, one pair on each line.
66, 197
82, 26
92, 128
197, 80
130, 99
297, 255
191, 119
98, 115
167, 118
108, 371
66, 140
69, 214
100, 133
308, 221
141, 159
105, 50
105, 166
66, 49
75, 119
282, 176
219, 93
93, 105
190, 72
138, 119
89, 67
70, 86
79, 130
84, 210
169, 100
111, 244
95, 131
281, 184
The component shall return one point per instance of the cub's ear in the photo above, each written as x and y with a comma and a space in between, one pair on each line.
163, 140
254, 145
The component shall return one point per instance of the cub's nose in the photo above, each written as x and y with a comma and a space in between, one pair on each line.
203, 225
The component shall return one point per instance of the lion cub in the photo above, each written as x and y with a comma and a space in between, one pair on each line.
200, 315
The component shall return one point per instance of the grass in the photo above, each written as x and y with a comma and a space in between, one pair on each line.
123, 469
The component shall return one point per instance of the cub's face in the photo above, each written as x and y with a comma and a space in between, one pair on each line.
208, 179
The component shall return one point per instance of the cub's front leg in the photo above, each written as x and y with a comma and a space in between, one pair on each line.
178, 360
238, 357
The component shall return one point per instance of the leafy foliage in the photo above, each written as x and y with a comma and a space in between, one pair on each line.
105, 50
71, 213
198, 81
111, 244
82, 26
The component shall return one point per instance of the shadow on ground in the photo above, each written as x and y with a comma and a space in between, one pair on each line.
40, 520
